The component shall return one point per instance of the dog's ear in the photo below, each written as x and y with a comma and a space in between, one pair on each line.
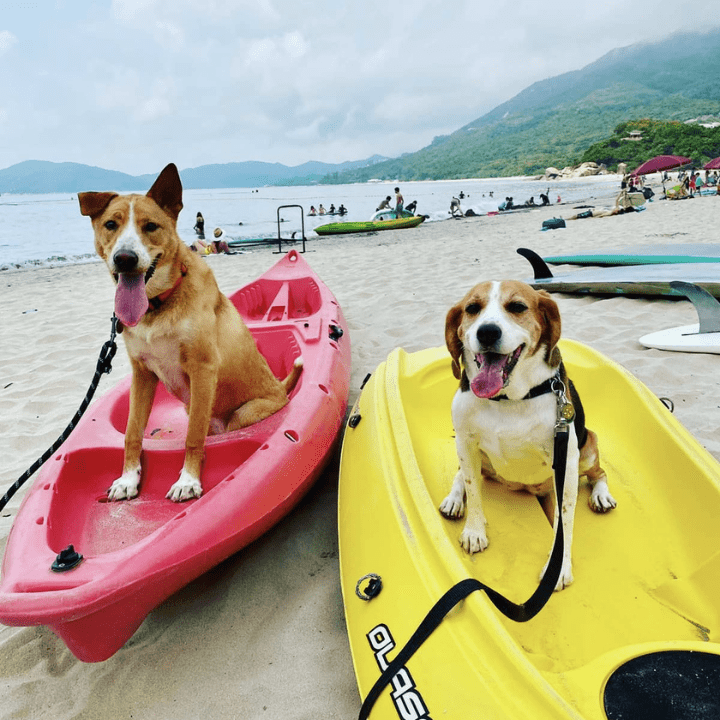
452, 340
93, 204
167, 191
550, 319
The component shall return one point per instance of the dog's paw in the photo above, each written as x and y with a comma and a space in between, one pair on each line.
126, 486
473, 541
186, 488
566, 575
601, 501
453, 506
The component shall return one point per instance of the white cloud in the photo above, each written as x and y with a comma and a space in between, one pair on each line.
128, 10
152, 109
7, 40
278, 80
172, 34
294, 45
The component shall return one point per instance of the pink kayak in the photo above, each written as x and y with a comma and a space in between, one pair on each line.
138, 552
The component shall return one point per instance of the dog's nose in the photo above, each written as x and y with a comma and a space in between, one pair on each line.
125, 260
488, 334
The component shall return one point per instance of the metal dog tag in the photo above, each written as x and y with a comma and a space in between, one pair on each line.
567, 412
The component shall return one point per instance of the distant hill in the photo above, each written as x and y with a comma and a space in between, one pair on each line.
552, 122
40, 176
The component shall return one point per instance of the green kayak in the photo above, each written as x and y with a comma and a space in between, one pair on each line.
368, 225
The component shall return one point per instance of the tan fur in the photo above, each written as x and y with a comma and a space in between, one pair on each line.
195, 343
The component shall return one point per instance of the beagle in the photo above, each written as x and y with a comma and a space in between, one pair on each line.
178, 329
502, 337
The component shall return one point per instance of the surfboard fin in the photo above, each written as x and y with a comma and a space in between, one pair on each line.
539, 266
708, 308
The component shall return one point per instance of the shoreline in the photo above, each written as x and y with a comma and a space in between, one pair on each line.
61, 260
262, 635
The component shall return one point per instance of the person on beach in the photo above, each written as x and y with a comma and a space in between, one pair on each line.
200, 226
202, 247
399, 202
622, 201
385, 204
220, 242
455, 210
218, 245
545, 197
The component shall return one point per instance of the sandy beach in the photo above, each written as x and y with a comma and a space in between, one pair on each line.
263, 634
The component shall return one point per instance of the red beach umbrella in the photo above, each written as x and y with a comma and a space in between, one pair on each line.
660, 163
712, 165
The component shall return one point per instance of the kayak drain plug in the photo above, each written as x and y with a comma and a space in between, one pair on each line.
66, 560
372, 589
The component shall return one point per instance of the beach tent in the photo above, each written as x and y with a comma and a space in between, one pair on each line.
712, 165
660, 163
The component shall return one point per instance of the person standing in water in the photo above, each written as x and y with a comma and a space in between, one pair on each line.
200, 226
399, 202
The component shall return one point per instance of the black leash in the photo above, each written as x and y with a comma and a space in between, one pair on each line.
518, 613
104, 366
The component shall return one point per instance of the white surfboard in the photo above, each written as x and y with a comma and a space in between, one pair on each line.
700, 337
686, 338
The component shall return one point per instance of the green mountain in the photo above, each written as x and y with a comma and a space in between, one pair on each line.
553, 122
656, 137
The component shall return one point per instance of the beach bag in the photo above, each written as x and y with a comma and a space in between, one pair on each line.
553, 224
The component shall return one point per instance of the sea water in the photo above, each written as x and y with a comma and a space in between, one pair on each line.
48, 230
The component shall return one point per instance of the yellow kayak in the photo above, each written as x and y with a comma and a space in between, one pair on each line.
645, 603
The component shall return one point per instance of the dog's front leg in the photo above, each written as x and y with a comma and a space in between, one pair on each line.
203, 381
142, 394
473, 538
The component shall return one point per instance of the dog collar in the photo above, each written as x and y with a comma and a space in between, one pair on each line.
158, 300
542, 389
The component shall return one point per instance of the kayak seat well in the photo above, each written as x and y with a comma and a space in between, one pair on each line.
81, 515
278, 300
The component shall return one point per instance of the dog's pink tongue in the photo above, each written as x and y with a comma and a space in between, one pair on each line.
131, 301
489, 380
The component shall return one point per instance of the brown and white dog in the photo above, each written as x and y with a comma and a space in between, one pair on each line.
503, 337
179, 329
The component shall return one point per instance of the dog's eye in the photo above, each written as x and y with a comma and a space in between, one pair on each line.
111, 225
516, 307
151, 227
472, 308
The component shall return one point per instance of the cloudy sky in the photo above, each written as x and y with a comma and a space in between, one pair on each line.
133, 84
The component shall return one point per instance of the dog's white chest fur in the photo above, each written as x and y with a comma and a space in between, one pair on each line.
161, 355
517, 437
